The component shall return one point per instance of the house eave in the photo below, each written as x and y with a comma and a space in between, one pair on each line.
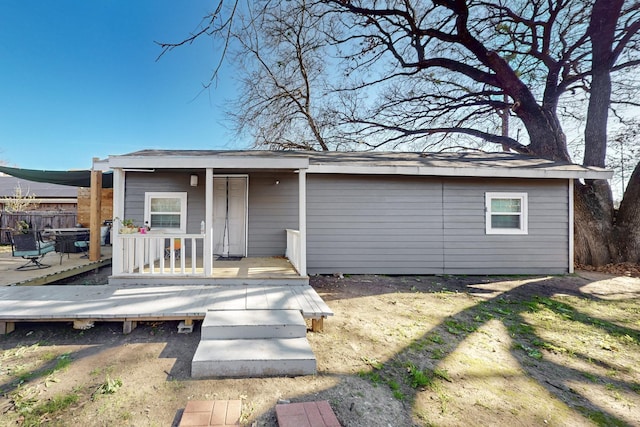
468, 172
214, 162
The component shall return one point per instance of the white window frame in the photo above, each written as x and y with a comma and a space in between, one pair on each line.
524, 212
182, 195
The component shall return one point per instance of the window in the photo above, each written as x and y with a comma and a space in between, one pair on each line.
506, 213
166, 211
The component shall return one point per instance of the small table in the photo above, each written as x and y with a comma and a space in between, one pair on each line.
66, 239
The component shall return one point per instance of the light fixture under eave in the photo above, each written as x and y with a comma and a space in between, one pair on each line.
194, 180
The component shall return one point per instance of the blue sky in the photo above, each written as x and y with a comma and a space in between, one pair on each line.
79, 79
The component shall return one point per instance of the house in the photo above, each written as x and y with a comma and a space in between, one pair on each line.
38, 203
342, 212
46, 197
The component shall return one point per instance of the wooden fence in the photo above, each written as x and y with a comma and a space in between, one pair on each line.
38, 220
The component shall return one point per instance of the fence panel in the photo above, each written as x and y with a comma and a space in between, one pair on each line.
38, 220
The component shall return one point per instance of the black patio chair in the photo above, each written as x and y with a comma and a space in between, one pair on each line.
31, 247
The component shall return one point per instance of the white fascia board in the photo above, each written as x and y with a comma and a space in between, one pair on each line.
215, 162
461, 172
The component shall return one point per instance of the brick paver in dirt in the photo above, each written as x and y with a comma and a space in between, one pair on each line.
211, 413
306, 414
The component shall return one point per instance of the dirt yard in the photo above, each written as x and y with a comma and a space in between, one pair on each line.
400, 351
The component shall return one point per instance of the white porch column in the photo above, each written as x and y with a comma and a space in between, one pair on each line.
302, 220
571, 232
207, 249
118, 212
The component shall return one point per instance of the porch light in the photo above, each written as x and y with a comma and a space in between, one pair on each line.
194, 180
277, 181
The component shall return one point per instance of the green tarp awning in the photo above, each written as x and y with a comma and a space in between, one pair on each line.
79, 178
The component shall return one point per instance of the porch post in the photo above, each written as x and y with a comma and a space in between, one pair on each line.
207, 245
302, 220
571, 232
118, 212
95, 211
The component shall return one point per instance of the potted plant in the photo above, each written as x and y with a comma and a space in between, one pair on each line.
127, 226
22, 227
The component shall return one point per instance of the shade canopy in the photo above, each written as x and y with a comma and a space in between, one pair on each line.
75, 178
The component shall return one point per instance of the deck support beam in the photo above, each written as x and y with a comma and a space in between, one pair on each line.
128, 326
317, 325
7, 327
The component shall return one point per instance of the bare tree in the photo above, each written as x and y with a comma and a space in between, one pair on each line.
434, 69
284, 84
21, 200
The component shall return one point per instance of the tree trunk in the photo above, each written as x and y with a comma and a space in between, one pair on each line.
595, 242
627, 228
593, 223
602, 28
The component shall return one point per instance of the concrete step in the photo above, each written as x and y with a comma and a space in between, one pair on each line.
249, 324
253, 358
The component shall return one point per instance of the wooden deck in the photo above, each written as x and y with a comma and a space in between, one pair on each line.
130, 304
71, 265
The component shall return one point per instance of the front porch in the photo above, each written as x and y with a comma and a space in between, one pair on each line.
154, 258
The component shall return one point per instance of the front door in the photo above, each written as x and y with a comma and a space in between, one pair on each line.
230, 216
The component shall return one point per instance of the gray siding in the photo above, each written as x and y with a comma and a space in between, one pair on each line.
374, 224
421, 225
469, 250
138, 183
272, 209
387, 224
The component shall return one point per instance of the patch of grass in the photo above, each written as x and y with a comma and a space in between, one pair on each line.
373, 376
393, 385
442, 373
373, 363
530, 351
520, 329
590, 377
395, 388
435, 338
502, 311
456, 327
33, 414
419, 378
437, 353
602, 419
397, 394
418, 345
62, 362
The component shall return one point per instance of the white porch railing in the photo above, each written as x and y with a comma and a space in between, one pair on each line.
161, 254
293, 248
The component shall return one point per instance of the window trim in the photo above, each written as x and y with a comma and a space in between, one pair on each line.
182, 195
524, 212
